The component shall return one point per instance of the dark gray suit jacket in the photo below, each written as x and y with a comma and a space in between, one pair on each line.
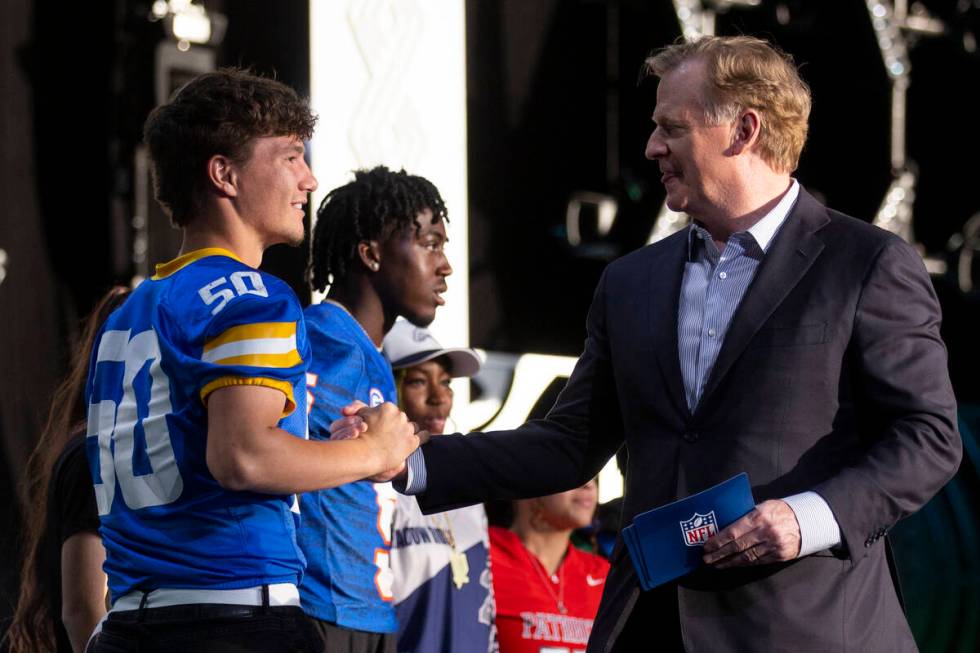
832, 378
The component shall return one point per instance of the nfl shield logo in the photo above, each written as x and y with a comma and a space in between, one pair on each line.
699, 528
376, 397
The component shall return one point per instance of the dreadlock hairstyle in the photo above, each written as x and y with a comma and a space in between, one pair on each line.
33, 627
376, 205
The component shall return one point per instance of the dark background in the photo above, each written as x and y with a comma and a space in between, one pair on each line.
554, 107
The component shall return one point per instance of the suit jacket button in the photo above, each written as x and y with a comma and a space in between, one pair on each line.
691, 437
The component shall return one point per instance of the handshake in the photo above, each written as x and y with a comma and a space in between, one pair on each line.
388, 435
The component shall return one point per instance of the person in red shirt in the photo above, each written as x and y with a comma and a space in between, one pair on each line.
547, 591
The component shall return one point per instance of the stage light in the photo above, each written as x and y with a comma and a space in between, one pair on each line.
189, 23
693, 19
160, 9
602, 208
895, 214
891, 42
193, 27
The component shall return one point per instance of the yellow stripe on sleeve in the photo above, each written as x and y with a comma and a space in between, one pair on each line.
263, 360
266, 344
259, 330
275, 384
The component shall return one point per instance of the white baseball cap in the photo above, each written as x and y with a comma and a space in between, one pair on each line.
407, 345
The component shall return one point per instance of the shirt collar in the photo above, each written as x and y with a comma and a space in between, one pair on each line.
164, 270
763, 231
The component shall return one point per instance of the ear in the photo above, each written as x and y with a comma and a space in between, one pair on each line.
746, 131
222, 175
370, 254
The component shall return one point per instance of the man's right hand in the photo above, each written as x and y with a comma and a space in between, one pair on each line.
389, 435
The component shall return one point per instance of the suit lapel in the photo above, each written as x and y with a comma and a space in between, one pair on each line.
664, 291
792, 253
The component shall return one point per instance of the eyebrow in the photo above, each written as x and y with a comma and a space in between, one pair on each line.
426, 234
429, 228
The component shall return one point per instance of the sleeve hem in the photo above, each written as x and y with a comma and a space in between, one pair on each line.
819, 529
228, 381
415, 478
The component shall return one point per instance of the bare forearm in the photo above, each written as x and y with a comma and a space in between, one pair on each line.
276, 462
247, 451
83, 586
80, 623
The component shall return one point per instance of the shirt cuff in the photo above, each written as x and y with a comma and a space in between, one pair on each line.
415, 477
818, 527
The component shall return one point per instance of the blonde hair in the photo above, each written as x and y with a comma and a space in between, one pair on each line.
748, 73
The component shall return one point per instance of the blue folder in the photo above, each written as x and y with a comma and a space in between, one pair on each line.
666, 543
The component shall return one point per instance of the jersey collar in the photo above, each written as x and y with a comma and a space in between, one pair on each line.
164, 270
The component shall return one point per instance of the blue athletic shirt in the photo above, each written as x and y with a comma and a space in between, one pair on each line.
346, 531
204, 321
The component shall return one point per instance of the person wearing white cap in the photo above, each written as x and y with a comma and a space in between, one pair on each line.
439, 562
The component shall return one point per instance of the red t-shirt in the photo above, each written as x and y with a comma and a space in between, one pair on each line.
528, 617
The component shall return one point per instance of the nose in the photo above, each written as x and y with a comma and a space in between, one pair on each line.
656, 147
440, 394
444, 269
308, 183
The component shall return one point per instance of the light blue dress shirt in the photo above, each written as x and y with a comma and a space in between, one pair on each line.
713, 287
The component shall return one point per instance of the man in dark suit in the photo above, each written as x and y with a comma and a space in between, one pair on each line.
775, 337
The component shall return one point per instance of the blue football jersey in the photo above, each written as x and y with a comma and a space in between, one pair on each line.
346, 531
205, 321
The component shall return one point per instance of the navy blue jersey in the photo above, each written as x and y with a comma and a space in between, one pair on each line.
438, 611
346, 531
204, 322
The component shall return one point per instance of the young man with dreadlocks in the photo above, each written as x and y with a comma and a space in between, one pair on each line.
379, 245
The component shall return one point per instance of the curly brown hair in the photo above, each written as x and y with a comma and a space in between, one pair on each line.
216, 113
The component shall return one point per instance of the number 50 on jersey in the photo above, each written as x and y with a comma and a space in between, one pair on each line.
115, 425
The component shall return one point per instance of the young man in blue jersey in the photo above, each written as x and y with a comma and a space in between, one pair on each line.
197, 394
378, 243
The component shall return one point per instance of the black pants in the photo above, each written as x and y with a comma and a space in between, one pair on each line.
207, 628
334, 639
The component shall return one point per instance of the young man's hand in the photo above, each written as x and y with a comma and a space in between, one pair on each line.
348, 426
390, 436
